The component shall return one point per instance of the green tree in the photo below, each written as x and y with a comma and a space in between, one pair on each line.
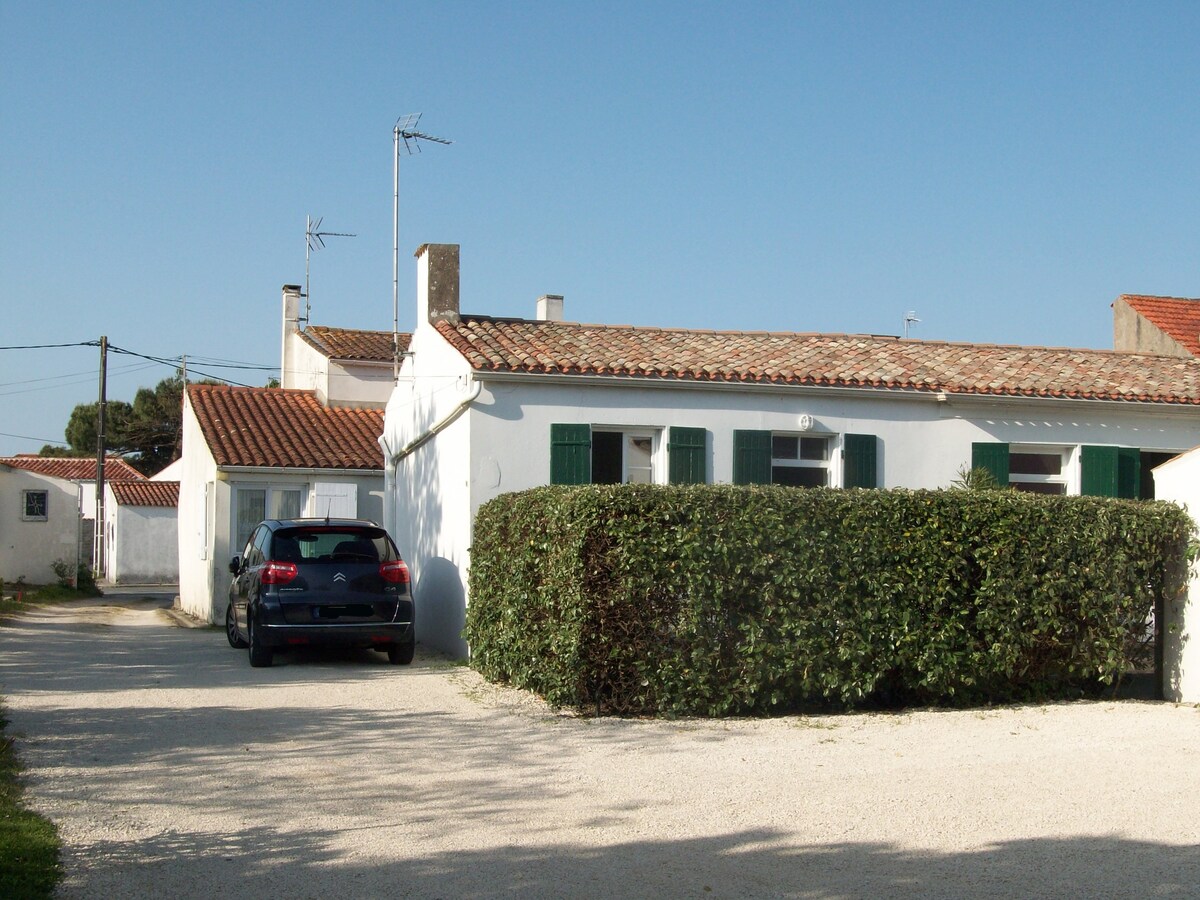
148, 432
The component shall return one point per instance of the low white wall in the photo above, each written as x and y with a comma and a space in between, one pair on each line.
1179, 482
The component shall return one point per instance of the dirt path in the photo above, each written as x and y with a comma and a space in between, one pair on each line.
173, 769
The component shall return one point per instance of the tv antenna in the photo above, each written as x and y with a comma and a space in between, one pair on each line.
406, 131
910, 318
315, 240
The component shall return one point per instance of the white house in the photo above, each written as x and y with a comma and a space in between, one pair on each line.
489, 405
39, 524
47, 511
343, 366
141, 544
253, 453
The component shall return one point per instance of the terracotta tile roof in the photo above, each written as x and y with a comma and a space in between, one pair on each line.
73, 468
146, 493
1178, 317
353, 343
511, 345
285, 429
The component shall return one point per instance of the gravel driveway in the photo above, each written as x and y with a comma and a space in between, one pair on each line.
174, 769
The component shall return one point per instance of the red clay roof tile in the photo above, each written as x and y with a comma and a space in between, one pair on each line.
276, 428
510, 345
1178, 317
353, 344
73, 468
146, 493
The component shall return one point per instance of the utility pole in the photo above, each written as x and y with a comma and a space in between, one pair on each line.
101, 452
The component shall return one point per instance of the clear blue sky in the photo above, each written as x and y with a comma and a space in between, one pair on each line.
1005, 170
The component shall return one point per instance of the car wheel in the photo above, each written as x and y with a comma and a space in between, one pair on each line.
401, 654
260, 656
231, 632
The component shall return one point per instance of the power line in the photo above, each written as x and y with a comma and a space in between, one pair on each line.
26, 437
52, 346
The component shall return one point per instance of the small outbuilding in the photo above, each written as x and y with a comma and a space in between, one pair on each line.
142, 532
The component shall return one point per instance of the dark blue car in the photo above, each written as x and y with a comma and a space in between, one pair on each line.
320, 581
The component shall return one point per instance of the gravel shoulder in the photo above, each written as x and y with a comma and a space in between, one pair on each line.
173, 768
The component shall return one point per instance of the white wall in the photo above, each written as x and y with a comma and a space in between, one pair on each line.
199, 531
143, 543
357, 384
173, 472
1179, 482
29, 548
429, 509
923, 443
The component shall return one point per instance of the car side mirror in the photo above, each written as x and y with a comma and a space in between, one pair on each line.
235, 565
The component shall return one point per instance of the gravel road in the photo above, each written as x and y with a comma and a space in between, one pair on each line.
173, 769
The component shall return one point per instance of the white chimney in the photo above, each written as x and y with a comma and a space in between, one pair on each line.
291, 324
550, 308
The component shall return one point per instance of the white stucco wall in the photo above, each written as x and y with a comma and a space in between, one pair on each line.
142, 543
358, 384
199, 531
28, 549
173, 472
303, 367
429, 509
923, 443
1179, 482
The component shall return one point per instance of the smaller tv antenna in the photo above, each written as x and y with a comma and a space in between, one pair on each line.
406, 131
910, 318
315, 240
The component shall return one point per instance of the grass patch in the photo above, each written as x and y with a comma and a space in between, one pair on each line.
29, 844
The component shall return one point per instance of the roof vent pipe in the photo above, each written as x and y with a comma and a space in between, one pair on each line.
550, 308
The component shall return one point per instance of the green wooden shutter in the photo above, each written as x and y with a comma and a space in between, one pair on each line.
687, 455
570, 454
860, 461
1098, 471
993, 457
1110, 472
752, 457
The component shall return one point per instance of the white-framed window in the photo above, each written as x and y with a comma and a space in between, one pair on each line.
254, 502
801, 460
1041, 469
624, 455
35, 506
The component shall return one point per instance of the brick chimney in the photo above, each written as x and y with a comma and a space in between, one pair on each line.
291, 324
437, 283
550, 308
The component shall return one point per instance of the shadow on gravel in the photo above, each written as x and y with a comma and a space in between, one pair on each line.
119, 657
397, 771
270, 863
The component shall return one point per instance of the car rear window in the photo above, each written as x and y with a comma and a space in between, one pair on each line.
330, 544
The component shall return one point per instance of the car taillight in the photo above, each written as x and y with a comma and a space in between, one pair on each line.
278, 572
394, 572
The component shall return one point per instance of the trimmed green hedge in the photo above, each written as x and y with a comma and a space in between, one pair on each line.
719, 600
